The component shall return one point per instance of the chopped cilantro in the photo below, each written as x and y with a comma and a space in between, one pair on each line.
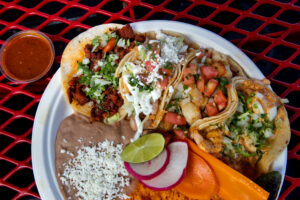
223, 82
185, 87
96, 41
137, 43
153, 56
174, 106
85, 69
191, 97
168, 65
135, 82
85, 80
196, 77
149, 47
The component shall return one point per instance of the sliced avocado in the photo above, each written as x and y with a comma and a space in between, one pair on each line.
112, 119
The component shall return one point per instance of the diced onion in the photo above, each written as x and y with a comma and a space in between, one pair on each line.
85, 61
268, 133
259, 95
272, 112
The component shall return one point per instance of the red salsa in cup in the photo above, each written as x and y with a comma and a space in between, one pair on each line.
27, 56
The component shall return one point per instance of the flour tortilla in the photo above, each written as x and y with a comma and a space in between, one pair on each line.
74, 53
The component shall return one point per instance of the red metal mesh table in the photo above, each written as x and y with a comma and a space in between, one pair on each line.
267, 31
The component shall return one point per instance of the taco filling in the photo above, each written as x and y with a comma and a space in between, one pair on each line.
149, 75
242, 140
95, 83
200, 92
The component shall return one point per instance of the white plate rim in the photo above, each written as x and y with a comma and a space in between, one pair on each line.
53, 101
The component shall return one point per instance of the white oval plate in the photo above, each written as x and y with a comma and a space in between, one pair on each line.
53, 107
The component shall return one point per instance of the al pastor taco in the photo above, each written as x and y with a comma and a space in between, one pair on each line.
147, 76
88, 68
255, 134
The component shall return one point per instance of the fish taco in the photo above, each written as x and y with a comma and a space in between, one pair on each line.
147, 75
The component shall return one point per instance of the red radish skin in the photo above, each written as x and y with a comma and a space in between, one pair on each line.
175, 170
130, 167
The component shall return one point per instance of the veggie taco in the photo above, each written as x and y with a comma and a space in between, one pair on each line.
88, 68
203, 91
147, 75
254, 135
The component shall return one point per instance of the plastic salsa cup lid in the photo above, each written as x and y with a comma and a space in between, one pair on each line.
26, 56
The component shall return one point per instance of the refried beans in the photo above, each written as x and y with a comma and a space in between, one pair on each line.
76, 131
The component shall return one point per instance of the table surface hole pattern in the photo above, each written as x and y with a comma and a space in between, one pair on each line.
267, 31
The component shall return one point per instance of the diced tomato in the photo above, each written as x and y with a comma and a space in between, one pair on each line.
201, 55
149, 66
179, 133
174, 118
211, 109
155, 47
211, 86
166, 71
188, 78
201, 84
220, 100
163, 84
193, 68
208, 72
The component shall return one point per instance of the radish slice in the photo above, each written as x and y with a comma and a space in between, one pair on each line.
150, 169
175, 170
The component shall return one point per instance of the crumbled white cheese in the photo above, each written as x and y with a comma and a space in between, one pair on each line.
171, 47
66, 152
80, 140
97, 172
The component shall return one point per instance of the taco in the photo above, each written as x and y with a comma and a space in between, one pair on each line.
255, 134
203, 91
147, 75
88, 66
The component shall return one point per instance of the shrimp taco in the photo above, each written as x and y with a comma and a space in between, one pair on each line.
203, 91
254, 135
147, 76
88, 68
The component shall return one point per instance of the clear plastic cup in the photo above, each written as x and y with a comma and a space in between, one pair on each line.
4, 69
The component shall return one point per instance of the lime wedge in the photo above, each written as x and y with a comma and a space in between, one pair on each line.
144, 149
